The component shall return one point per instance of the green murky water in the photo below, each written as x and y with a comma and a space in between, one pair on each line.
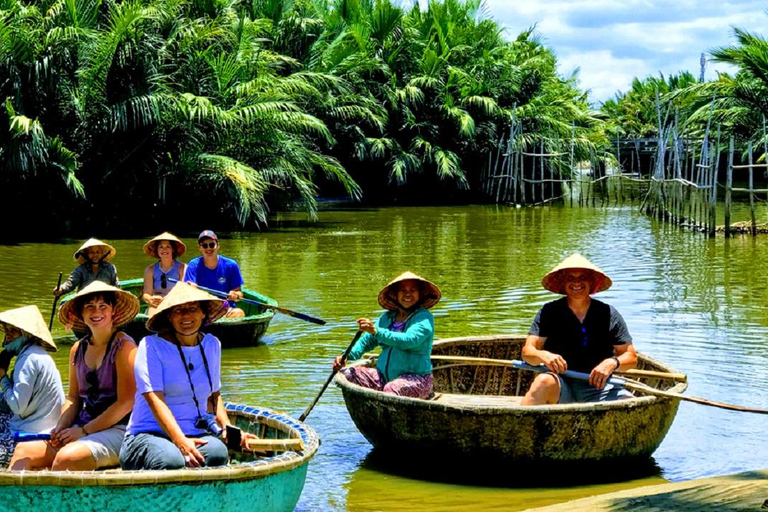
695, 303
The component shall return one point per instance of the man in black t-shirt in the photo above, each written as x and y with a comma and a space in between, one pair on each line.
577, 333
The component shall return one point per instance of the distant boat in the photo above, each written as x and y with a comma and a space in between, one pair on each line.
265, 483
476, 413
232, 332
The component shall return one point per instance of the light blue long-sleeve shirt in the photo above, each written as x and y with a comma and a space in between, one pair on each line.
33, 392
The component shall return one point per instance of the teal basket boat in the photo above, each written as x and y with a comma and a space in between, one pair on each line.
259, 483
232, 332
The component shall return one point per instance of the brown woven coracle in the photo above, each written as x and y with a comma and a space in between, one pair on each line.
430, 293
126, 308
555, 283
30, 320
183, 293
93, 242
150, 248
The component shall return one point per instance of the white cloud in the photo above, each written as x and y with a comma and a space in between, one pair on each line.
613, 41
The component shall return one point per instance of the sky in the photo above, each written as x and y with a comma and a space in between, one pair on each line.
613, 41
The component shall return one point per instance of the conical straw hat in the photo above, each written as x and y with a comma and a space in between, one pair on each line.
150, 248
30, 320
126, 307
93, 242
555, 283
429, 296
183, 293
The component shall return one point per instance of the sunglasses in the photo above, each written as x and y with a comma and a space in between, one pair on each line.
584, 339
92, 379
163, 281
210, 245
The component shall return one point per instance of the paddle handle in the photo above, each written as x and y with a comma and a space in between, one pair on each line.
55, 300
296, 314
21, 437
330, 377
275, 445
638, 386
521, 365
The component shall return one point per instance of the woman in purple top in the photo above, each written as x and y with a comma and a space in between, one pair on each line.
179, 419
160, 277
90, 430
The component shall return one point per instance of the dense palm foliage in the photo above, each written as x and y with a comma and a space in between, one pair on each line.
118, 114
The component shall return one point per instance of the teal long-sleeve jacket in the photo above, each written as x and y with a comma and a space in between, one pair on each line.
402, 353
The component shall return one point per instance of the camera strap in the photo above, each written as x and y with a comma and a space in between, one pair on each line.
189, 375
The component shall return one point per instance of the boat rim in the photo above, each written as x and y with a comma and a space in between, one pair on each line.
259, 468
627, 403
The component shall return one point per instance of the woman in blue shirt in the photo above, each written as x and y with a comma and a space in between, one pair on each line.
178, 417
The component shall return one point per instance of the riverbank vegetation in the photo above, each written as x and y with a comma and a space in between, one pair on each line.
123, 115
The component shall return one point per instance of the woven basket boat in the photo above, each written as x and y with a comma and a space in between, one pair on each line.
260, 483
232, 332
476, 413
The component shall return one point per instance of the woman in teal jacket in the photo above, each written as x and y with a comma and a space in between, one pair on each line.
405, 334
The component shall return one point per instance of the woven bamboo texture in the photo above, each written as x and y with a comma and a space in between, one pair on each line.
476, 413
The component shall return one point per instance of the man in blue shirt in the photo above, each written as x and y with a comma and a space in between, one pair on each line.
211, 270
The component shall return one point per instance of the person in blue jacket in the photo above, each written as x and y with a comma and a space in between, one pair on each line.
405, 333
31, 396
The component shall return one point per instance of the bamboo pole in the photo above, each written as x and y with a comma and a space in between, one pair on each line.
751, 192
728, 186
541, 172
573, 146
713, 192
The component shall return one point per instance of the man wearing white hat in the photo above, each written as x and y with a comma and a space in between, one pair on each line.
577, 333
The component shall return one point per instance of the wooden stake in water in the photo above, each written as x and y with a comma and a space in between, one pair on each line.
728, 191
751, 192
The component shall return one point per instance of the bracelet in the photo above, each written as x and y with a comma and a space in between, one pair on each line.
85, 432
618, 363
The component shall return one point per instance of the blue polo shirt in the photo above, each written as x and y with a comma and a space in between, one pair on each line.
225, 277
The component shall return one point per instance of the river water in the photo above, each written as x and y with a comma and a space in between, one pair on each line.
694, 303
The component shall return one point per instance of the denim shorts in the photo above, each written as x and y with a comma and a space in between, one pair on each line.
576, 391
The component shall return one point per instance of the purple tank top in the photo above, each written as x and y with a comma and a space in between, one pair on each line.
98, 388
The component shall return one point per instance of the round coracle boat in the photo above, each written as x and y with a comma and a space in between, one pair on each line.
270, 482
232, 332
475, 412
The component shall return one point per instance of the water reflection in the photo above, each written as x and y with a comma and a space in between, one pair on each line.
448, 470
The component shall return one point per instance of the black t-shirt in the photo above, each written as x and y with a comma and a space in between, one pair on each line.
582, 345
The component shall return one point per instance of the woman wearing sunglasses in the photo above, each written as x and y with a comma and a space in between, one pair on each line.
91, 428
160, 277
32, 393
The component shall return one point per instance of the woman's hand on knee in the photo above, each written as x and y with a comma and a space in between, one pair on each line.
188, 448
66, 436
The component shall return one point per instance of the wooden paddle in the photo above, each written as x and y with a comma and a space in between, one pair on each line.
637, 386
484, 361
55, 300
330, 378
295, 314
235, 435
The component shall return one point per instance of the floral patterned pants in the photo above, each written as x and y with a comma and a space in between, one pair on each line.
416, 386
